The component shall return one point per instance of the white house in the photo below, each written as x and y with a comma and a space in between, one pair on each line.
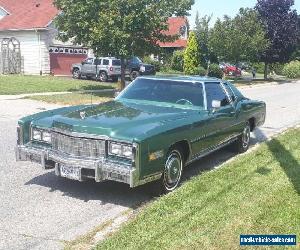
30, 23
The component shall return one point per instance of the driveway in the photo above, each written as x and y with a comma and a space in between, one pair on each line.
41, 211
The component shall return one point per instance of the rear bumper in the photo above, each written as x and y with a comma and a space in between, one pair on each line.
99, 170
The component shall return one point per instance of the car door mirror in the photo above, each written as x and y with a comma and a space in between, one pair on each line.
216, 104
83, 62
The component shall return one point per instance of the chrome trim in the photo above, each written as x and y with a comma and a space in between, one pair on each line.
105, 169
204, 153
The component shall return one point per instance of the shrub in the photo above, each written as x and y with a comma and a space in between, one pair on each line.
201, 71
191, 56
277, 68
259, 67
215, 71
177, 60
157, 64
292, 69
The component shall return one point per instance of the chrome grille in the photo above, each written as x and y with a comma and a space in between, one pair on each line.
76, 146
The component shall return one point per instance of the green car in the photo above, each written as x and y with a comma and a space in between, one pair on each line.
150, 132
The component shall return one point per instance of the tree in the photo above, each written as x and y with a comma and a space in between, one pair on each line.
191, 56
117, 27
239, 38
202, 33
282, 30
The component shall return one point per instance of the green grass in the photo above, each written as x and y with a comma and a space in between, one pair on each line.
257, 193
73, 98
19, 84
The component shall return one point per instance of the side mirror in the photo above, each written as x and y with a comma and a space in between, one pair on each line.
83, 62
216, 104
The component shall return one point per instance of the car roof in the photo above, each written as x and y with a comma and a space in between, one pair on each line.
183, 78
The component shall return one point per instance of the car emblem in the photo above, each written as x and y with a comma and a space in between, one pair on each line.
82, 115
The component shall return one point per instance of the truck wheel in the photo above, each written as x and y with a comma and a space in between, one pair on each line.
171, 177
133, 75
243, 142
103, 76
76, 74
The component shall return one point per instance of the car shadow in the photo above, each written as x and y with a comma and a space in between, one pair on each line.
287, 162
121, 194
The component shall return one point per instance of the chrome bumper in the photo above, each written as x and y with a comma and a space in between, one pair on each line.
101, 169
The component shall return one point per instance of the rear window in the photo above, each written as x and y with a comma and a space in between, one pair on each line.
116, 62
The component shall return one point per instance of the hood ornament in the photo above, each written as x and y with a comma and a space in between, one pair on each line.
82, 115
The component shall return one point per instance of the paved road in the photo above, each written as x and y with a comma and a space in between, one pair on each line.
40, 211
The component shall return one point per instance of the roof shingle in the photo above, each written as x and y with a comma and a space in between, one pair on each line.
27, 14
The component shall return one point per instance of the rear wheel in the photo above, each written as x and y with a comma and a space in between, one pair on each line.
103, 76
76, 74
243, 142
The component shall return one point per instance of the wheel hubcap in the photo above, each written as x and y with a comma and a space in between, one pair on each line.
173, 172
246, 137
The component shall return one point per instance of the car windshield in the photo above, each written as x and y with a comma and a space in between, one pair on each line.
116, 62
181, 93
136, 60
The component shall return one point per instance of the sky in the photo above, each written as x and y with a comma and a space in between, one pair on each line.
219, 8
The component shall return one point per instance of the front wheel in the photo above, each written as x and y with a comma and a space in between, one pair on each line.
243, 142
171, 177
76, 74
133, 75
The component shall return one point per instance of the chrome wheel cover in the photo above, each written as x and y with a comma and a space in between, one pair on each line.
246, 136
173, 171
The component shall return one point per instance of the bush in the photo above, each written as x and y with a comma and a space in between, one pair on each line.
277, 68
201, 71
177, 60
259, 67
157, 64
215, 71
292, 69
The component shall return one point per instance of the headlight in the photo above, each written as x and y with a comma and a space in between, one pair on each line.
120, 150
36, 135
46, 136
41, 135
142, 68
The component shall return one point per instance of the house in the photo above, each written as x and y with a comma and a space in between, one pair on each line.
177, 26
27, 37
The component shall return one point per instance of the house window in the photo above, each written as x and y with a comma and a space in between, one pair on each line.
183, 32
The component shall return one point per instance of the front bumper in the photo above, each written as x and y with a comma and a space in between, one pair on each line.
101, 169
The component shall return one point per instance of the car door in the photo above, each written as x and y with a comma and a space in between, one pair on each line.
221, 121
87, 67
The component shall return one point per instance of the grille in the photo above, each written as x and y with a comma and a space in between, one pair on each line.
76, 146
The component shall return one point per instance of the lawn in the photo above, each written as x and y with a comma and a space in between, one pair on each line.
18, 84
256, 193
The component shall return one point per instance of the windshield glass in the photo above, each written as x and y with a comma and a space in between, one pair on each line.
136, 60
165, 91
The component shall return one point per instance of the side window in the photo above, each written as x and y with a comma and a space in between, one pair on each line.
97, 61
214, 92
229, 91
89, 61
105, 62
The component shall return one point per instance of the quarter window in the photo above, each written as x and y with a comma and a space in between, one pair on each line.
214, 92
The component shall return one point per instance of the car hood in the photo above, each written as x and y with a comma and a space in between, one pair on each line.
119, 120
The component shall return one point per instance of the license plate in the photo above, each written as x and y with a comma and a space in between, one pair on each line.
70, 172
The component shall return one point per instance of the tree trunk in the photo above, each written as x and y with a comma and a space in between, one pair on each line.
266, 71
123, 73
236, 70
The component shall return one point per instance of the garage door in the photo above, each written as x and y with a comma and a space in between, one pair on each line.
62, 58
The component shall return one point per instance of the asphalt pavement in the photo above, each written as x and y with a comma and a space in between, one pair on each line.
41, 211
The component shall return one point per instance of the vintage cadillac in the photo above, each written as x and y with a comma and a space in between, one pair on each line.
150, 132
